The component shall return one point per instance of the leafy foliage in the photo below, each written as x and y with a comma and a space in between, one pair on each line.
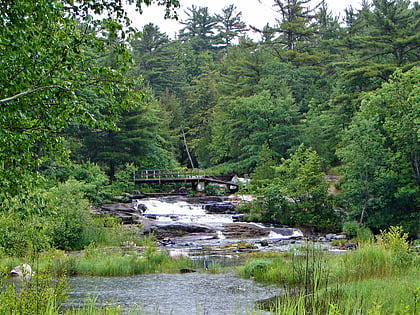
297, 195
381, 155
78, 83
49, 55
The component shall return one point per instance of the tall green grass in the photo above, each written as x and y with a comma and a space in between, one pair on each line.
371, 296
42, 295
377, 278
112, 262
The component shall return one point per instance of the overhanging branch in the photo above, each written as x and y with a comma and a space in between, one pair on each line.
11, 98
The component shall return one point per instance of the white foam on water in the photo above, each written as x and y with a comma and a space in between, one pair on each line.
159, 207
183, 212
220, 235
274, 235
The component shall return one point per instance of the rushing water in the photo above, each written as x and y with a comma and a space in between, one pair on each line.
191, 293
174, 210
177, 294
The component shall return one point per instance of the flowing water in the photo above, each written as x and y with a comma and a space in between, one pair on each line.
177, 294
190, 293
173, 211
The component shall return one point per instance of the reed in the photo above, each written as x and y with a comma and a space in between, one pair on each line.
90, 307
372, 296
42, 295
370, 280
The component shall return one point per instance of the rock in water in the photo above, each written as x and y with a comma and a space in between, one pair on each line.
23, 272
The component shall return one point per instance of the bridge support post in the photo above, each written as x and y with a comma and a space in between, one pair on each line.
198, 186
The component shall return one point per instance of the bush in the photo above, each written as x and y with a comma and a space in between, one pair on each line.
42, 296
255, 268
68, 214
351, 228
22, 236
94, 181
395, 241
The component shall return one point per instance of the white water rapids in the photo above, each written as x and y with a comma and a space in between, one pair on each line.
170, 210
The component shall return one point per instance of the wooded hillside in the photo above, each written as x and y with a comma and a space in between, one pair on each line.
316, 92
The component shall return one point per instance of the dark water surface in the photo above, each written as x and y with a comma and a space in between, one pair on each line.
177, 294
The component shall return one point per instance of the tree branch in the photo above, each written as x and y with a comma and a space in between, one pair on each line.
11, 98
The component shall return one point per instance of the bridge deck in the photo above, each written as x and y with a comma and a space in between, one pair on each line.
180, 176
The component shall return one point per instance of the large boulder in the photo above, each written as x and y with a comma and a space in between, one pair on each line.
22, 272
129, 213
177, 229
220, 208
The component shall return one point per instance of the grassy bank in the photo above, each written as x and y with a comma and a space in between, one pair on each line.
379, 277
115, 261
48, 287
376, 278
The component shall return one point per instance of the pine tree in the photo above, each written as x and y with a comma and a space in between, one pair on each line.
230, 24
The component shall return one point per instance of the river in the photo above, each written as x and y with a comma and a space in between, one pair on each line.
187, 227
178, 294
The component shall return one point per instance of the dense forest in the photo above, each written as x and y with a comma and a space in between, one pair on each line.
86, 98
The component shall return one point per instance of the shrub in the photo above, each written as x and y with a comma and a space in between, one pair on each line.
255, 268
68, 215
396, 241
364, 235
21, 236
94, 182
42, 296
351, 228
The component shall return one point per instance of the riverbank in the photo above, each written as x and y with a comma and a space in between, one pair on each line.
381, 277
316, 280
376, 278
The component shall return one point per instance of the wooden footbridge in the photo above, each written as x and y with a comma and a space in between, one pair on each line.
197, 177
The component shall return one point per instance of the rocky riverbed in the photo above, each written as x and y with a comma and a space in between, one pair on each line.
206, 225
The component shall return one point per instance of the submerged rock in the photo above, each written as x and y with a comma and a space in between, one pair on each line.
243, 230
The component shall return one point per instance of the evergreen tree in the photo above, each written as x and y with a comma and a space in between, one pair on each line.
294, 23
241, 69
140, 139
265, 165
230, 24
199, 28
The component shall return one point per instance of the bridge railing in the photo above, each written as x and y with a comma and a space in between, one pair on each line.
169, 173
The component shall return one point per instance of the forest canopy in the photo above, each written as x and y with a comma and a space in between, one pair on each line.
79, 85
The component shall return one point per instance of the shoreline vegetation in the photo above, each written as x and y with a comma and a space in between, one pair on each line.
59, 237
379, 277
319, 117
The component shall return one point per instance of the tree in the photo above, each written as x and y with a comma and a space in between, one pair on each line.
229, 24
293, 23
297, 195
201, 97
199, 28
381, 37
265, 165
380, 152
156, 61
241, 69
140, 140
328, 30
243, 125
295, 32
44, 61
